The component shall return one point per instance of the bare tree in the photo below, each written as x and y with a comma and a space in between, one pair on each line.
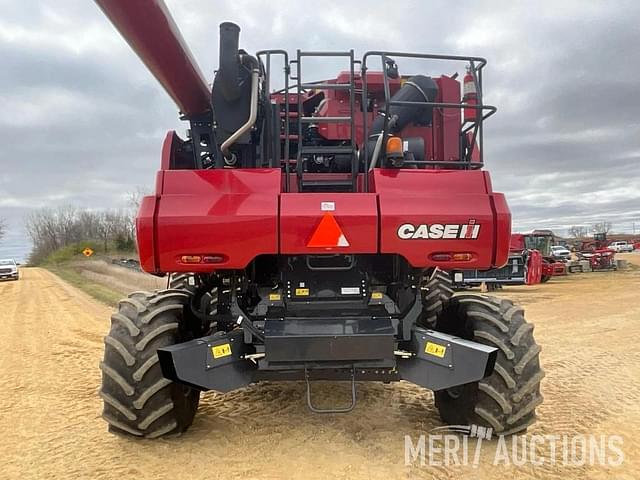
106, 227
135, 197
602, 227
51, 229
89, 224
3, 228
135, 200
42, 227
578, 231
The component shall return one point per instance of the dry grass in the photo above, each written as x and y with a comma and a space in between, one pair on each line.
118, 278
105, 282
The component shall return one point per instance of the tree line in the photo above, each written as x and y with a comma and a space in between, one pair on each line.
580, 231
51, 229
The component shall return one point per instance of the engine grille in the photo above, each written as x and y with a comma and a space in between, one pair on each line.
5, 270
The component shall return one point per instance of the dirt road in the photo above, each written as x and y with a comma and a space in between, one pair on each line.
50, 426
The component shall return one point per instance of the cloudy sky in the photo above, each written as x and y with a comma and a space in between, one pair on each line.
81, 120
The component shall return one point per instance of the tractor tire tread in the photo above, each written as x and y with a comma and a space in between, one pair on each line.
507, 399
138, 400
436, 292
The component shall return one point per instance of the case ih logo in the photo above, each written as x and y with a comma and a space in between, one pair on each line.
439, 231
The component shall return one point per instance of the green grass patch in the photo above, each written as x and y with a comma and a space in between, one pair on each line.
68, 253
99, 292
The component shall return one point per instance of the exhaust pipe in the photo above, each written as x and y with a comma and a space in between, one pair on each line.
229, 62
230, 81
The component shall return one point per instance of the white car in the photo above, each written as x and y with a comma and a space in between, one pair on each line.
9, 269
621, 247
560, 252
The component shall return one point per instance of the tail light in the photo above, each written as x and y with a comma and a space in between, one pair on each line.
191, 259
451, 257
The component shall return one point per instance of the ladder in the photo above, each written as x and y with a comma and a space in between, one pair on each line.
328, 182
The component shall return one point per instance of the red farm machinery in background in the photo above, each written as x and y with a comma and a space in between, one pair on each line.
598, 253
308, 229
530, 262
541, 241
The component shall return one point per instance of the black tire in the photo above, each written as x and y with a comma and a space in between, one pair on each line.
506, 400
189, 283
180, 281
548, 261
437, 290
138, 400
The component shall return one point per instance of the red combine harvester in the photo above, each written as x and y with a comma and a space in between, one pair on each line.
308, 232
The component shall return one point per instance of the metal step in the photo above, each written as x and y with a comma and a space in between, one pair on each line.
343, 409
326, 185
345, 150
325, 119
326, 86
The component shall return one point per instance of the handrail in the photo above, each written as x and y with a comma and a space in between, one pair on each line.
285, 91
474, 127
476, 64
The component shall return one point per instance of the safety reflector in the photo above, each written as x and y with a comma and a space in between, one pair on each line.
328, 234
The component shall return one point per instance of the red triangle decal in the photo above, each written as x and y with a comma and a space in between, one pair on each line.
328, 234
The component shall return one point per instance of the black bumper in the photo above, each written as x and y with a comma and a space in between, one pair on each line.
333, 350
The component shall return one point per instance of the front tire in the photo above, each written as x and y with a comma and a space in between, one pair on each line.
506, 400
138, 400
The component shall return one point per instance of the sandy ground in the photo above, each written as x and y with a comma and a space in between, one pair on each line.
50, 425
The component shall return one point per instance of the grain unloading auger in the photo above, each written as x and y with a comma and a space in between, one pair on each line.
310, 233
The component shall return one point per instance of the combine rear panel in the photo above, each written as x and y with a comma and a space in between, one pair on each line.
230, 217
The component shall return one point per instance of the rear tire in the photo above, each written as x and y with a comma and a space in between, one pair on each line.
506, 400
138, 400
437, 290
181, 281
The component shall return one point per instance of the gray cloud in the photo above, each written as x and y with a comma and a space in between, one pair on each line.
82, 120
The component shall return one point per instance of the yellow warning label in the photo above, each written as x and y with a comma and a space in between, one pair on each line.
435, 349
274, 297
220, 351
376, 295
302, 292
